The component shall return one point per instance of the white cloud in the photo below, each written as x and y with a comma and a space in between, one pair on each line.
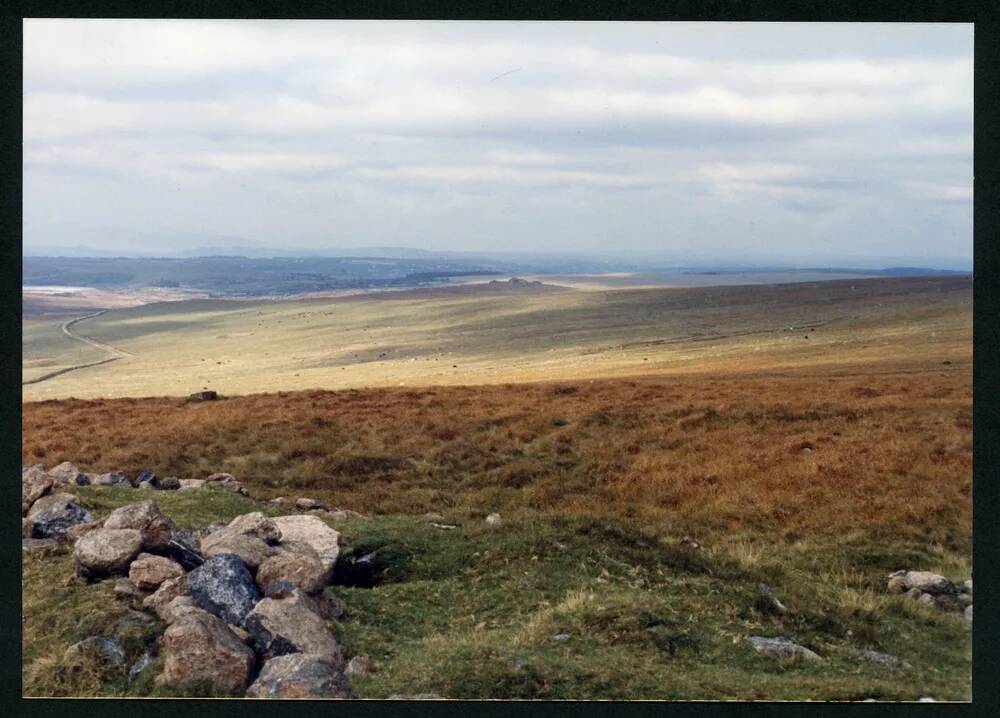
329, 123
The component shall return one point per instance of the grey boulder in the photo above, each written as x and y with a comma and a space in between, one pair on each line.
224, 587
300, 675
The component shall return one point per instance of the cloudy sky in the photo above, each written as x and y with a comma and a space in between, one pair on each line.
723, 139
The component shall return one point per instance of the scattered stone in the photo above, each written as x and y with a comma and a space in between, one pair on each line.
968, 586
224, 587
884, 659
494, 520
290, 625
147, 572
106, 551
145, 516
444, 526
926, 699
767, 602
114, 478
75, 531
306, 504
926, 599
190, 484
360, 666
220, 477
561, 637
780, 648
311, 531
146, 475
968, 613
300, 675
924, 581
199, 648
300, 569
144, 661
144, 486
203, 396
103, 650
169, 590
170, 483
41, 546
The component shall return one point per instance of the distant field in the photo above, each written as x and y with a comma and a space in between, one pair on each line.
475, 337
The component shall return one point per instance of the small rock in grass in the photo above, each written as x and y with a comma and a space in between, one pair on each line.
100, 649
968, 613
170, 483
494, 520
40, 546
884, 659
767, 602
190, 484
780, 648
561, 637
360, 666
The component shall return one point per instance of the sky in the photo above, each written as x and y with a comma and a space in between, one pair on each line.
737, 140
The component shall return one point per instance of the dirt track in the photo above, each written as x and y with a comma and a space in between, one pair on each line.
114, 351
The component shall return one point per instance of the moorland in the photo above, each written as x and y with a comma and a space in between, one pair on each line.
655, 454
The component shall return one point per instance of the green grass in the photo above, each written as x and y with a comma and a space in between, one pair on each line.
471, 612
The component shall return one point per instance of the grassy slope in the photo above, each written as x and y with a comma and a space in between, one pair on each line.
238, 348
597, 481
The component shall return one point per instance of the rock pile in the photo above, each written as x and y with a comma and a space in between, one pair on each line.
243, 605
933, 590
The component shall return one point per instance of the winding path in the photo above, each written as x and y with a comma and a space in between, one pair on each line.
115, 352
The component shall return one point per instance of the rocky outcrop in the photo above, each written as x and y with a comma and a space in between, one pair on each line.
300, 675
148, 571
145, 517
106, 551
200, 650
224, 587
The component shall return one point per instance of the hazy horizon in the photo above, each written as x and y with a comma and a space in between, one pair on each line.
800, 143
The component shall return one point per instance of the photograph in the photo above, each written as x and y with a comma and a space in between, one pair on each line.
496, 360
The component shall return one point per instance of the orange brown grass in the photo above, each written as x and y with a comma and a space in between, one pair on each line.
880, 455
